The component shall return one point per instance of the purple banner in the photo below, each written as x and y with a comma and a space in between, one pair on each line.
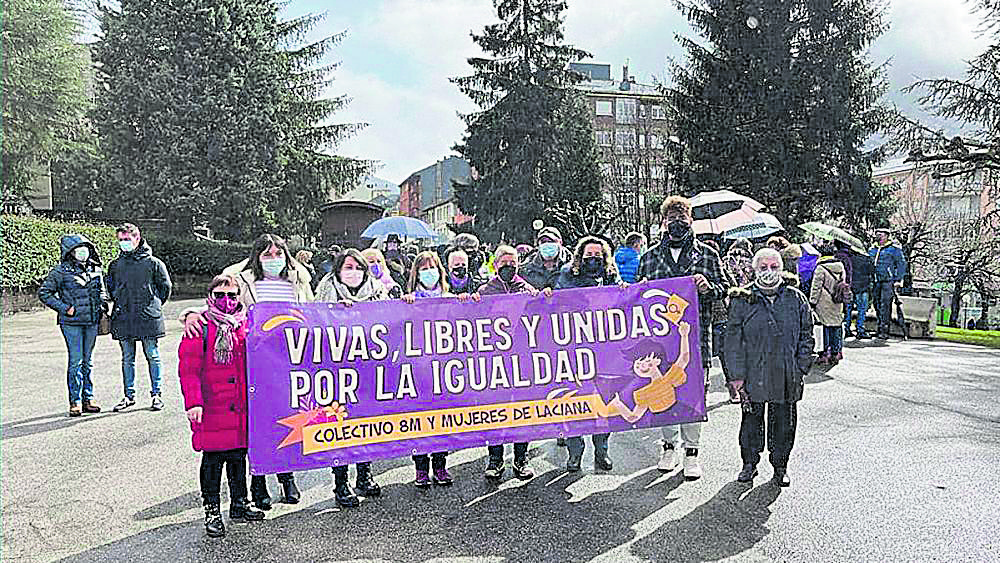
331, 385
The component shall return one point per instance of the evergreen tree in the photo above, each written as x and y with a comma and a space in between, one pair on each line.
210, 114
780, 102
44, 88
532, 144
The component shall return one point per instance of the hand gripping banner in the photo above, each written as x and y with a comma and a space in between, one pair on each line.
330, 385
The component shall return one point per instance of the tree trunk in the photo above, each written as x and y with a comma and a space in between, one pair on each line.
956, 302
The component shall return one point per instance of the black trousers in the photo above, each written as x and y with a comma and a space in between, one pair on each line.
423, 461
340, 471
236, 474
781, 422
520, 452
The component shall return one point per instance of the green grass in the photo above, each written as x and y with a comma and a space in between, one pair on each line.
990, 338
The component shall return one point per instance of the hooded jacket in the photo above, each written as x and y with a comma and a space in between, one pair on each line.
769, 345
74, 285
139, 285
862, 270
627, 260
829, 272
220, 389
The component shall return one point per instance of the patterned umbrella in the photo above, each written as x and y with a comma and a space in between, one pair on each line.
400, 225
763, 225
743, 215
715, 204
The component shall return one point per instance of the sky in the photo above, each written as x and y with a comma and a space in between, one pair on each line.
397, 55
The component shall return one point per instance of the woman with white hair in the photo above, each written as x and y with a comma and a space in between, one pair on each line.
769, 344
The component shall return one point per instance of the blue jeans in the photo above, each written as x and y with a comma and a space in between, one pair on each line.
833, 339
80, 342
152, 352
860, 303
884, 296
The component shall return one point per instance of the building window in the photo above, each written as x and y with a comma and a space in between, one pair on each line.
603, 107
626, 171
624, 140
658, 112
625, 111
657, 172
606, 169
603, 138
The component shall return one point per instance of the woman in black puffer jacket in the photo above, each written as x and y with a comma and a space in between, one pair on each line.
75, 290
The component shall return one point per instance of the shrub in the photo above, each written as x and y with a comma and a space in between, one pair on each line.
29, 249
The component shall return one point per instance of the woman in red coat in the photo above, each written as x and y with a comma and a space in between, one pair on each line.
214, 384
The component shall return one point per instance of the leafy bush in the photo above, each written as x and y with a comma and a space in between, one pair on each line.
29, 249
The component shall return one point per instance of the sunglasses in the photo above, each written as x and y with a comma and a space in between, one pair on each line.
221, 294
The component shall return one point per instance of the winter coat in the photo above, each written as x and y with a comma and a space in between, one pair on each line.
862, 269
890, 264
139, 285
769, 345
627, 260
790, 258
221, 391
845, 258
829, 272
568, 279
76, 285
537, 275
497, 286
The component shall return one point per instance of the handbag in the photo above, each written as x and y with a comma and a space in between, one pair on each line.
104, 324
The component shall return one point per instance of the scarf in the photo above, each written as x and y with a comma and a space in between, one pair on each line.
225, 336
422, 293
367, 291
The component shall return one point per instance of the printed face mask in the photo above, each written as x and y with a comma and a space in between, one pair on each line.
272, 266
126, 245
81, 253
768, 278
376, 269
507, 273
429, 278
352, 278
548, 250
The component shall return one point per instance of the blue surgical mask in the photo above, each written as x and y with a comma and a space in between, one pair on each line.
272, 266
429, 278
126, 245
548, 250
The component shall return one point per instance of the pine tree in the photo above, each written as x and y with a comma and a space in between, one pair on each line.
210, 114
780, 102
44, 88
532, 144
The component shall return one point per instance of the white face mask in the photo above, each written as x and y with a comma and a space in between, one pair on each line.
352, 278
81, 253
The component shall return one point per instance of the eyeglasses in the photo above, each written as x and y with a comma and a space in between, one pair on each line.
221, 294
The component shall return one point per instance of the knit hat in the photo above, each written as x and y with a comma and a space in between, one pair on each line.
551, 233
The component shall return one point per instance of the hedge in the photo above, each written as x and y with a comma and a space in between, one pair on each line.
990, 338
29, 249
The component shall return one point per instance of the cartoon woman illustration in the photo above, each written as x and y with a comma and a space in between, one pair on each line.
658, 395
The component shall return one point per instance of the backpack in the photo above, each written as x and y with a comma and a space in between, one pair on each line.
842, 292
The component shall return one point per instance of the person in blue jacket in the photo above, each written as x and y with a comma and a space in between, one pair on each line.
627, 257
75, 289
890, 268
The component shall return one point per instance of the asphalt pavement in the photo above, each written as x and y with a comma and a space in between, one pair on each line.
897, 458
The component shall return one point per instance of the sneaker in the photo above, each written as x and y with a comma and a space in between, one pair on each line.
442, 477
692, 467
423, 480
602, 462
781, 477
862, 335
494, 471
522, 471
157, 404
74, 410
124, 404
668, 459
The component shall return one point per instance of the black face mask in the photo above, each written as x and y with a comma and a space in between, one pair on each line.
507, 273
460, 273
593, 265
679, 232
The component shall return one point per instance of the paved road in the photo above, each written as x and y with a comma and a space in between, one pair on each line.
897, 459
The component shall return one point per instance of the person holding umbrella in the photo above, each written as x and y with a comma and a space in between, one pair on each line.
890, 268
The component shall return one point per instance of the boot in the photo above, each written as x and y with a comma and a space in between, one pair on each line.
90, 407
521, 469
747, 473
573, 463
602, 462
781, 477
241, 511
423, 479
291, 494
494, 469
343, 493
366, 485
213, 521
74, 409
258, 492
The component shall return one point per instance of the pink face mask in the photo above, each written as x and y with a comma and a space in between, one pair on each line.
227, 305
